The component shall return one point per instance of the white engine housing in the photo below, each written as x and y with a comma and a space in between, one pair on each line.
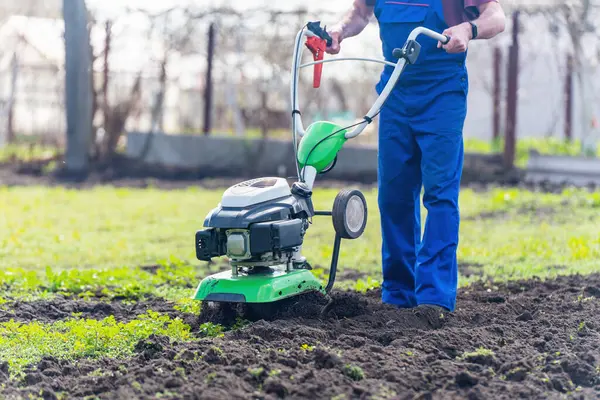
255, 191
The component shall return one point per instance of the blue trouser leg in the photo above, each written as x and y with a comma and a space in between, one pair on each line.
399, 205
439, 136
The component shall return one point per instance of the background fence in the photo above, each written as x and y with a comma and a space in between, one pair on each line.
167, 52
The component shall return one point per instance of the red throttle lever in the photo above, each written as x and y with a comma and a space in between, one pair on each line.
317, 46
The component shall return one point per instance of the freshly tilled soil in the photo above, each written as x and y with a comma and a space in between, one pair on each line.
529, 339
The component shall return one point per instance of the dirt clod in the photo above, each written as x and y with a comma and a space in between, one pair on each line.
465, 379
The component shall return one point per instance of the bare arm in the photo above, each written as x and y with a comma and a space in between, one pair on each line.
353, 23
490, 22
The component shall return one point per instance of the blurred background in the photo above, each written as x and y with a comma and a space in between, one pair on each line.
89, 79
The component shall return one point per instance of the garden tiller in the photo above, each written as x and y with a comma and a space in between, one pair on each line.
260, 224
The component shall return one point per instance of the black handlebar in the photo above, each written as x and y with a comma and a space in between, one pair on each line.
315, 27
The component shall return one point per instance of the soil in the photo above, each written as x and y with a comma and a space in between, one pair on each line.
540, 340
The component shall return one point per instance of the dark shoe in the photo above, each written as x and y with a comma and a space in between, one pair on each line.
433, 314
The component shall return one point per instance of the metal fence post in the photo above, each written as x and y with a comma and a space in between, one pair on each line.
78, 87
208, 93
512, 96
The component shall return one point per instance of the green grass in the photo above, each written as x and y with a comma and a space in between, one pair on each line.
24, 344
92, 244
547, 146
121, 229
26, 152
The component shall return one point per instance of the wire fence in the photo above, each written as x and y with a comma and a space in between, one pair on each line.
251, 76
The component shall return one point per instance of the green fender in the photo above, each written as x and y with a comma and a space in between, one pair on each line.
320, 145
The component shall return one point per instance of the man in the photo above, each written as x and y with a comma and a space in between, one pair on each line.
420, 141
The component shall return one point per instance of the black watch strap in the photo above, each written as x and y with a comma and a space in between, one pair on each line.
473, 30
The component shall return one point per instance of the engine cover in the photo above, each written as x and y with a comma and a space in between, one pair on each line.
258, 200
255, 191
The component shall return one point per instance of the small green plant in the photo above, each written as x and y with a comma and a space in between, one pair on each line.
180, 371
274, 372
98, 372
187, 305
210, 329
370, 284
481, 351
240, 323
307, 347
210, 377
256, 372
385, 393
353, 372
23, 344
217, 350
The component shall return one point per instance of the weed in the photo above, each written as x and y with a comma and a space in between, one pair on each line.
385, 393
256, 372
99, 372
210, 377
240, 323
481, 351
23, 344
187, 305
217, 350
136, 385
307, 347
180, 371
353, 372
362, 286
210, 329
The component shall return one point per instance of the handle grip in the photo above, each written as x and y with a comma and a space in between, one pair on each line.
315, 28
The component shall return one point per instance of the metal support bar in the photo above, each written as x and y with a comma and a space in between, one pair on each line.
323, 213
334, 262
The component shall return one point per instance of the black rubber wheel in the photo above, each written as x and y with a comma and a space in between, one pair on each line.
349, 213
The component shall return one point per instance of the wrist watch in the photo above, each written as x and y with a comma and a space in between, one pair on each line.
473, 30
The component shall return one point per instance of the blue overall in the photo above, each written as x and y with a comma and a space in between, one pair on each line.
420, 147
